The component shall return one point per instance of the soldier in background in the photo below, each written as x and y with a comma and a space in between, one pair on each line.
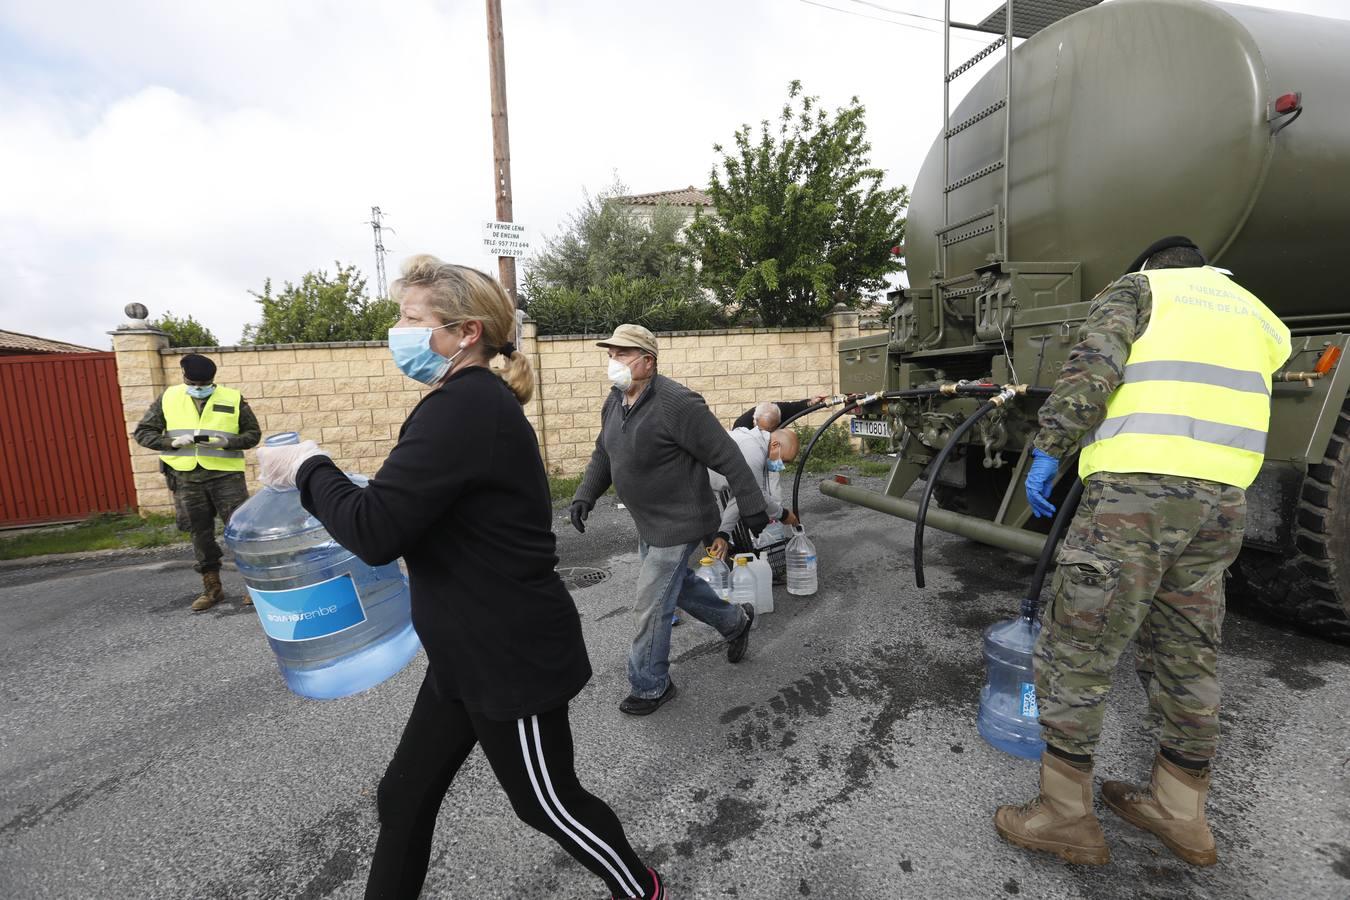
202, 431
1168, 396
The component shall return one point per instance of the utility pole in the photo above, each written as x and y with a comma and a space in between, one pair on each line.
501, 140
381, 285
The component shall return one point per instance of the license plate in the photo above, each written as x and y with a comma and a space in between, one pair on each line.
871, 428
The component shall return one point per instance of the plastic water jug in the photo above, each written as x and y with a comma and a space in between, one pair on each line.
712, 570
336, 625
772, 534
763, 573
743, 588
1008, 716
801, 563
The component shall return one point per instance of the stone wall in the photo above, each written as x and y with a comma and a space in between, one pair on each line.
351, 398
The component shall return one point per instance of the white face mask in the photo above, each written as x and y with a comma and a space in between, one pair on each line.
620, 375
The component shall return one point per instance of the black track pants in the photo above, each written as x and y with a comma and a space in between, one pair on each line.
532, 759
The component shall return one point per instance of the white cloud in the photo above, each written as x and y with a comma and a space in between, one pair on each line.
180, 153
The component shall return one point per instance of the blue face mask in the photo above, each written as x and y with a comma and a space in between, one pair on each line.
411, 349
776, 465
200, 392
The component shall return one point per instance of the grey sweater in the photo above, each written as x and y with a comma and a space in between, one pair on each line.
657, 455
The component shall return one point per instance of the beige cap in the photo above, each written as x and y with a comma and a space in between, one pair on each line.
631, 336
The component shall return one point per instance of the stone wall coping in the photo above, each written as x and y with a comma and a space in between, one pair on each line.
815, 329
252, 348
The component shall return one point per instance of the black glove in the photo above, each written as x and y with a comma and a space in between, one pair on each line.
579, 510
756, 522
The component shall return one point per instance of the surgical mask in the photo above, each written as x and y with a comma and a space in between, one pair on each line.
776, 465
620, 375
200, 392
411, 349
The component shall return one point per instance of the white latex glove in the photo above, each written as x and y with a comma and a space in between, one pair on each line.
182, 441
215, 440
277, 466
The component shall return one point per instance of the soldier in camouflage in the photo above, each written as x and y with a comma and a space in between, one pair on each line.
1143, 560
202, 461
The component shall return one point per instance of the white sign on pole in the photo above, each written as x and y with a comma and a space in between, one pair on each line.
506, 239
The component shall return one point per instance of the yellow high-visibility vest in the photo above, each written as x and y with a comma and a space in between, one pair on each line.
1195, 399
219, 416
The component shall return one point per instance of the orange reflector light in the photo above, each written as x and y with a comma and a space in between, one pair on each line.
1327, 361
842, 479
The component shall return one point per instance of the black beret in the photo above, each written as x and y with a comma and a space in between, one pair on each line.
197, 367
1159, 246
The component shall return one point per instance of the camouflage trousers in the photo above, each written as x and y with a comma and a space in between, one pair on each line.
196, 504
1144, 559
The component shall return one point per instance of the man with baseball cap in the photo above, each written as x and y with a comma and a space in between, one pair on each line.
202, 430
658, 439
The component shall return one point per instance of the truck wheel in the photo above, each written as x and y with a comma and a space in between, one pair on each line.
1312, 587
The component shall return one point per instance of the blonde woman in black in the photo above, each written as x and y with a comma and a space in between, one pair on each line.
464, 500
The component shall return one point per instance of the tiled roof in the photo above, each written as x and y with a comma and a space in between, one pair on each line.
14, 342
690, 196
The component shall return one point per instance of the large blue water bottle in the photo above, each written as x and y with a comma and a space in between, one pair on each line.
1008, 717
336, 625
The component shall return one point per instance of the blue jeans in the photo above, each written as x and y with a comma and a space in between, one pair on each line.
664, 582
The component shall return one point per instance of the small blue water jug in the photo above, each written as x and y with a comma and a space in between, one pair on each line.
336, 625
1008, 716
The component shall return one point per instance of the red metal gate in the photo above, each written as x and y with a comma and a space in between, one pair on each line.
63, 441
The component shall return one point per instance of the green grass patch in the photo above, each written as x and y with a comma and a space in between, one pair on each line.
833, 450
874, 467
562, 487
102, 532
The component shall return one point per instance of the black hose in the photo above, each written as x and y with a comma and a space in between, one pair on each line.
1031, 603
934, 468
806, 454
969, 389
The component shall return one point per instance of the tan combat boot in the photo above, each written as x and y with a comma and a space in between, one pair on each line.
1060, 820
212, 592
1172, 807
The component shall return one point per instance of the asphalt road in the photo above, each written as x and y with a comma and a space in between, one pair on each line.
146, 751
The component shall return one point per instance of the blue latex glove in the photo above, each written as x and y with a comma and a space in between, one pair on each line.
1040, 479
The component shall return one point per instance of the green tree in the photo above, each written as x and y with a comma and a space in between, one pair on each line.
803, 221
321, 309
609, 266
185, 331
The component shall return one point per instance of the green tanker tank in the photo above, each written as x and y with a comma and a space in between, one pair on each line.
1126, 122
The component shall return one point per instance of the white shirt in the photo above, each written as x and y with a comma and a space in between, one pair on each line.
754, 447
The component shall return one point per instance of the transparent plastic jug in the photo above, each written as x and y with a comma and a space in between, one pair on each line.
714, 571
743, 588
336, 625
801, 563
1008, 716
772, 534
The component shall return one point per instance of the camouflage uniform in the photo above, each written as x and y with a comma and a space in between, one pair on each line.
1144, 559
200, 495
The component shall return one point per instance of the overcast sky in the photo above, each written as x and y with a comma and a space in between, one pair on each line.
179, 152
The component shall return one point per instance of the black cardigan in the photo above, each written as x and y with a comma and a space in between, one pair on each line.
464, 499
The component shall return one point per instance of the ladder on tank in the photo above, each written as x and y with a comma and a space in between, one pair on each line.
952, 233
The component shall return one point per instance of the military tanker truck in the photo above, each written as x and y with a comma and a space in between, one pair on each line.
1112, 127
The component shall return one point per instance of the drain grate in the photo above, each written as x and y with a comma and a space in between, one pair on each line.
579, 577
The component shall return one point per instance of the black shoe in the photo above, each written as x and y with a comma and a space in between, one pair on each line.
736, 646
644, 706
